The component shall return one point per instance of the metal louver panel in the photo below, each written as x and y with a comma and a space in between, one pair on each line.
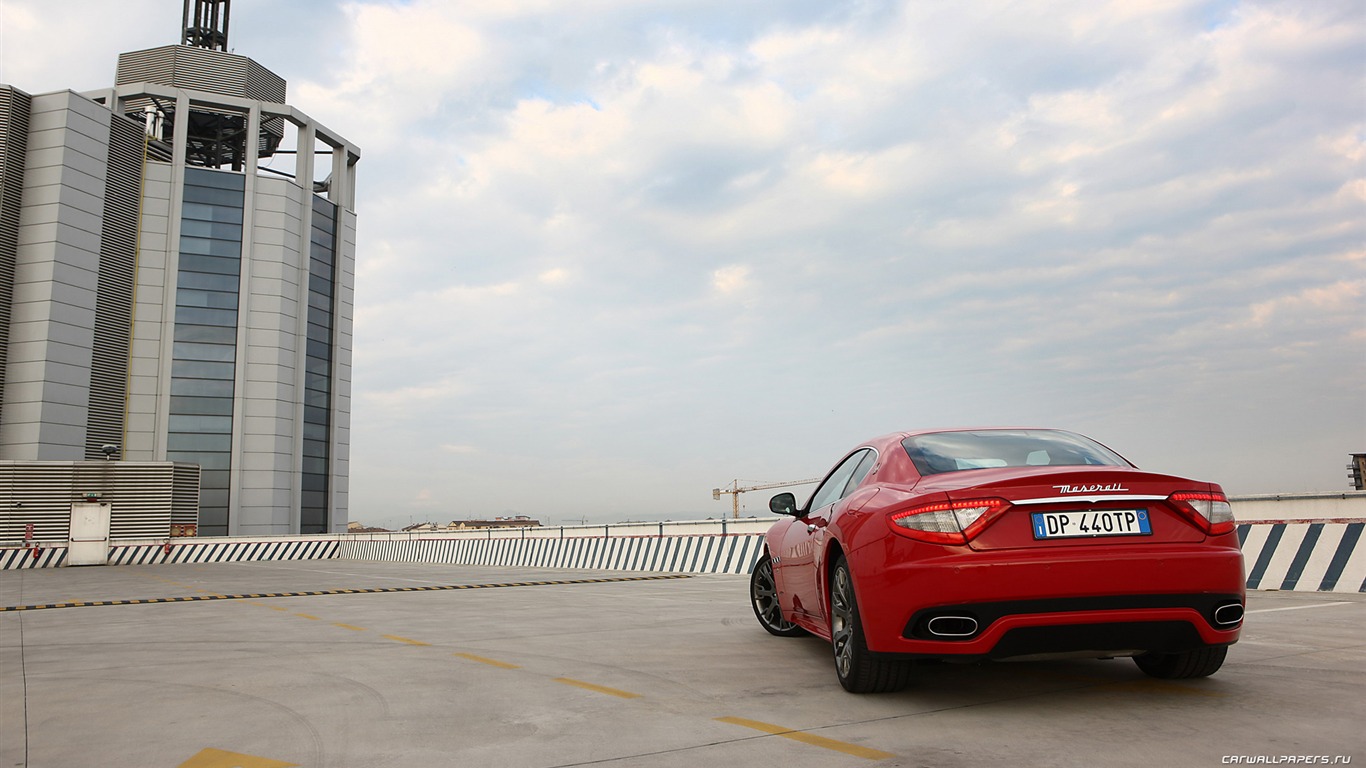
14, 122
185, 494
37, 494
139, 493
145, 496
114, 297
199, 69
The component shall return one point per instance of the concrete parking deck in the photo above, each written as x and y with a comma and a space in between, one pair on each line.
385, 664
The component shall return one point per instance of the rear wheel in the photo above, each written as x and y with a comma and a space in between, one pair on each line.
763, 595
1201, 662
859, 671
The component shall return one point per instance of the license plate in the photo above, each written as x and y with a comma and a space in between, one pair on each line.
1092, 522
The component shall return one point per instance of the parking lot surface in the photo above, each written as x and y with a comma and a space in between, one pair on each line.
415, 665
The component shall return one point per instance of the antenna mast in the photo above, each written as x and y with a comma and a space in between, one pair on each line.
206, 24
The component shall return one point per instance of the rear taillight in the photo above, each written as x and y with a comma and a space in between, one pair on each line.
1210, 511
949, 522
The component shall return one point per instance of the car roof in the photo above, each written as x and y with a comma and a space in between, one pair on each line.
910, 433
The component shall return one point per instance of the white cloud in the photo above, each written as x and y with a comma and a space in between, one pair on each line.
730, 279
554, 276
1345, 298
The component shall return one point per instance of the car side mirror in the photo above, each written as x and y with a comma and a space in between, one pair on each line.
783, 504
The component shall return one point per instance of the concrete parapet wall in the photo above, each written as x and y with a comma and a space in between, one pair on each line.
1299, 506
1305, 555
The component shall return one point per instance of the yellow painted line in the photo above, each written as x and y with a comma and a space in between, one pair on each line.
807, 738
218, 758
1160, 686
306, 616
409, 641
348, 626
597, 688
490, 662
277, 608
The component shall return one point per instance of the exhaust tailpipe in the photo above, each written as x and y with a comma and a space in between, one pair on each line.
953, 627
1228, 615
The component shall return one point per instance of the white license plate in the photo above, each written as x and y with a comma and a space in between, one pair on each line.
1092, 522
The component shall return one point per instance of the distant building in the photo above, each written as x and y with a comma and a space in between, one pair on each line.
177, 265
355, 527
519, 521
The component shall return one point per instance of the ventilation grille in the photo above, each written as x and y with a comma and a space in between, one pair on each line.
199, 69
114, 298
14, 121
37, 494
185, 494
146, 497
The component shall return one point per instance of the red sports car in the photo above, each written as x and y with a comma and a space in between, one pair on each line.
973, 544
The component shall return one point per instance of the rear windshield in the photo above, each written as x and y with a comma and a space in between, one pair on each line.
940, 452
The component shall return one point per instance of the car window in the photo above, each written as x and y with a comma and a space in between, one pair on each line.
861, 471
940, 452
834, 487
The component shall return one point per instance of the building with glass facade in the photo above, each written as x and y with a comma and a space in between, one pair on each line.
177, 268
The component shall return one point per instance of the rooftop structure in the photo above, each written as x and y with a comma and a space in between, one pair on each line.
177, 265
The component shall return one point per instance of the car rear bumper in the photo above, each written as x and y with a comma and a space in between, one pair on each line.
960, 603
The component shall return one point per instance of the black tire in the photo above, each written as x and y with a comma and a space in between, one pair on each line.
1201, 662
763, 597
858, 670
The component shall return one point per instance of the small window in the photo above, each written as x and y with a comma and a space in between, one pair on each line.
838, 484
861, 471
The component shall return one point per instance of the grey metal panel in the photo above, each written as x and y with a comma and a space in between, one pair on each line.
145, 382
50, 329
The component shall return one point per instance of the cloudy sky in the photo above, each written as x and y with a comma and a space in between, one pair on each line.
614, 254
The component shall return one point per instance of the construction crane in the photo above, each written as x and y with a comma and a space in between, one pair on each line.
735, 490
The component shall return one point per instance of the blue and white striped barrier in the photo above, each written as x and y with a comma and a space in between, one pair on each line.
704, 553
1299, 555
202, 551
1304, 555
15, 558
145, 552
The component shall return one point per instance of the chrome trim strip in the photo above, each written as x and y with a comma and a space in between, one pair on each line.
1086, 499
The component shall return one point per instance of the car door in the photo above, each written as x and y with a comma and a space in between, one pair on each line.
804, 539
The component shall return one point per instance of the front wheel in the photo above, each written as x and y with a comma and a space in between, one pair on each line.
1201, 662
763, 596
858, 670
